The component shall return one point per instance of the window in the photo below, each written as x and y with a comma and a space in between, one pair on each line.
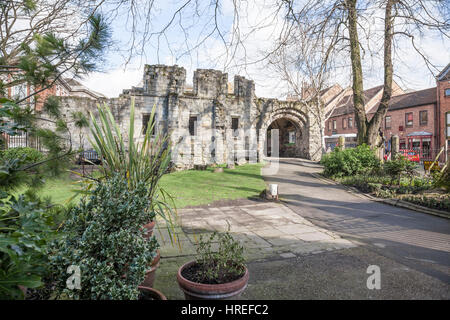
409, 119
387, 122
423, 117
447, 92
235, 126
145, 121
19, 92
291, 136
329, 125
193, 125
447, 116
334, 124
350, 122
344, 123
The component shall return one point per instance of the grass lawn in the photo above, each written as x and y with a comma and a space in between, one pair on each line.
197, 187
188, 188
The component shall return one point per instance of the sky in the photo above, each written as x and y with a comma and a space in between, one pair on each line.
259, 25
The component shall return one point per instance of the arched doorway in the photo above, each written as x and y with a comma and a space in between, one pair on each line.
289, 138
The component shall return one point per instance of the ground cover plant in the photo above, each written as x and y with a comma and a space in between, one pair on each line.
397, 178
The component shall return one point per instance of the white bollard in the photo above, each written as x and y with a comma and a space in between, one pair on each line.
273, 190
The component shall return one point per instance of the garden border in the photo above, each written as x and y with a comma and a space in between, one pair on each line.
396, 203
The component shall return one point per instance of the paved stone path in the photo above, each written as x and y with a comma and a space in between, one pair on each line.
264, 228
417, 240
295, 249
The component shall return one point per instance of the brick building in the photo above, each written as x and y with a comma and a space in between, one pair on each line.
420, 118
65, 87
62, 87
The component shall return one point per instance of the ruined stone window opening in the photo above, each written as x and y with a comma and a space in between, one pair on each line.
235, 126
247, 148
193, 125
291, 137
145, 122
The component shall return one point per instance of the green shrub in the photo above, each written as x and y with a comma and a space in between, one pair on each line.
103, 236
25, 155
399, 167
442, 179
340, 163
27, 226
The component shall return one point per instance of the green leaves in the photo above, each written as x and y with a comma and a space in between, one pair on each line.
351, 161
140, 159
398, 167
222, 263
104, 237
25, 231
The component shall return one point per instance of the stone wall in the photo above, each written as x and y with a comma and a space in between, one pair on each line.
215, 141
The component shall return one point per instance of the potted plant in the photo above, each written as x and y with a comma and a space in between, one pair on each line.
215, 275
103, 239
146, 293
150, 273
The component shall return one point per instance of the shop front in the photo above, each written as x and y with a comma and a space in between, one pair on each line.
420, 142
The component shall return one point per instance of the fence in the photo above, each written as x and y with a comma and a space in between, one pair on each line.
24, 139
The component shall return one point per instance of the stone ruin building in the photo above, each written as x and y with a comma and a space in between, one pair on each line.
209, 124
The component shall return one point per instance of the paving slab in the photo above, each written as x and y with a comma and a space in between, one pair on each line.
263, 229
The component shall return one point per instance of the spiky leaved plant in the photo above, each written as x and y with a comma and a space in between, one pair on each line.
137, 161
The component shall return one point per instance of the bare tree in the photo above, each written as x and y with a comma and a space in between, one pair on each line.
303, 63
347, 25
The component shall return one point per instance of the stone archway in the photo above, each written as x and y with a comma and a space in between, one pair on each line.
293, 132
289, 138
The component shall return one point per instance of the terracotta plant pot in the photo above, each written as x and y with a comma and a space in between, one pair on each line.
148, 228
150, 274
150, 294
200, 291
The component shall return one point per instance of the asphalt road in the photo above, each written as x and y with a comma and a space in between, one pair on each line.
417, 241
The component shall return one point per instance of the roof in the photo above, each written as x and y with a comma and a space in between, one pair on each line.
412, 99
346, 105
407, 100
444, 74
76, 86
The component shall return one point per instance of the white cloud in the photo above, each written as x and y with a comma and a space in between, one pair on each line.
113, 82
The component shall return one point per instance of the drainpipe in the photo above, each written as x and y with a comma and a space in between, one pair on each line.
437, 124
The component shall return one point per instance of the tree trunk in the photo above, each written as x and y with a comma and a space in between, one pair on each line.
375, 139
358, 91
